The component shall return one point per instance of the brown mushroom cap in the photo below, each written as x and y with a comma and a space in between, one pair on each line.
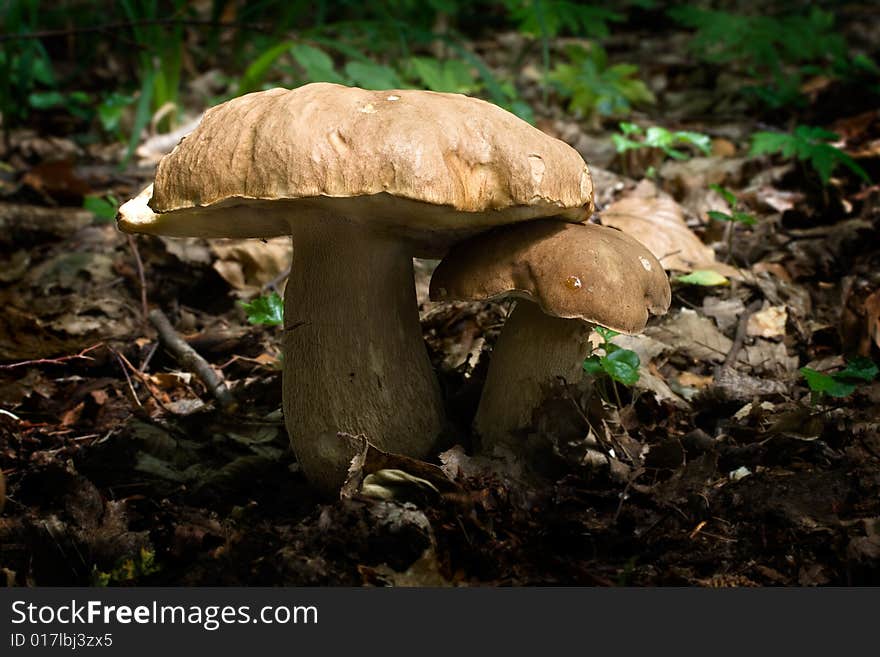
575, 271
429, 167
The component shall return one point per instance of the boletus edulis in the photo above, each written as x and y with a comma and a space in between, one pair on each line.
362, 181
566, 278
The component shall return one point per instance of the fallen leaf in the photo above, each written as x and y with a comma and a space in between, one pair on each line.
659, 224
768, 322
249, 265
725, 312
692, 380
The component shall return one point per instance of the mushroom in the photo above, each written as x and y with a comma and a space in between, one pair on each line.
362, 181
565, 277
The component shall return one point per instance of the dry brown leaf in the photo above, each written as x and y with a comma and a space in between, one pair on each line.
659, 224
768, 322
697, 337
189, 250
692, 334
249, 265
725, 312
692, 380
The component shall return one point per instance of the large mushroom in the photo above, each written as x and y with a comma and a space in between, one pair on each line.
362, 181
566, 278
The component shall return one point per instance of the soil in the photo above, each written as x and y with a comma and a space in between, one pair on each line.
719, 468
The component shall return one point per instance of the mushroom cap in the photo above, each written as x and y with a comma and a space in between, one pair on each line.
577, 271
431, 167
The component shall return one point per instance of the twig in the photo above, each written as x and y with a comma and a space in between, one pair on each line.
140, 269
127, 378
190, 359
740, 337
54, 361
148, 358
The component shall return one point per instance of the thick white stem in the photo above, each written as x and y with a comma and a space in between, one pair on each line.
354, 358
533, 353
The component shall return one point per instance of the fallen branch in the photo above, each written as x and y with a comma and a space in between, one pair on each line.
191, 360
54, 361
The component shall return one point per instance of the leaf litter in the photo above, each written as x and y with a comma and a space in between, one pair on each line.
716, 469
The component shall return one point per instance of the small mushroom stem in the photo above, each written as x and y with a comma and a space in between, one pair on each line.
534, 352
354, 358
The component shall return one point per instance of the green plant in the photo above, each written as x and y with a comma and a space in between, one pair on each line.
634, 137
858, 370
593, 87
702, 277
103, 207
735, 216
550, 18
128, 570
615, 363
452, 75
807, 144
267, 310
777, 51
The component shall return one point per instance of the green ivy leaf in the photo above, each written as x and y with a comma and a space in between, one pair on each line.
593, 365
267, 310
622, 365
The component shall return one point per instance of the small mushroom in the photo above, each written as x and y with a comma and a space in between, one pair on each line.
362, 181
565, 277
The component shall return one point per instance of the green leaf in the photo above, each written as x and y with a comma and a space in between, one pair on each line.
265, 310
142, 114
47, 100
827, 384
725, 193
258, 70
744, 218
622, 366
696, 139
629, 128
718, 216
808, 143
373, 76
110, 110
317, 64
593, 365
606, 333
453, 76
766, 143
104, 208
861, 368
705, 277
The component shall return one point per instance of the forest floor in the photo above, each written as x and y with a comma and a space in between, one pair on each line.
720, 467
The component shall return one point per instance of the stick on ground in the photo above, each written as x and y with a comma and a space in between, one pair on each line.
191, 360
